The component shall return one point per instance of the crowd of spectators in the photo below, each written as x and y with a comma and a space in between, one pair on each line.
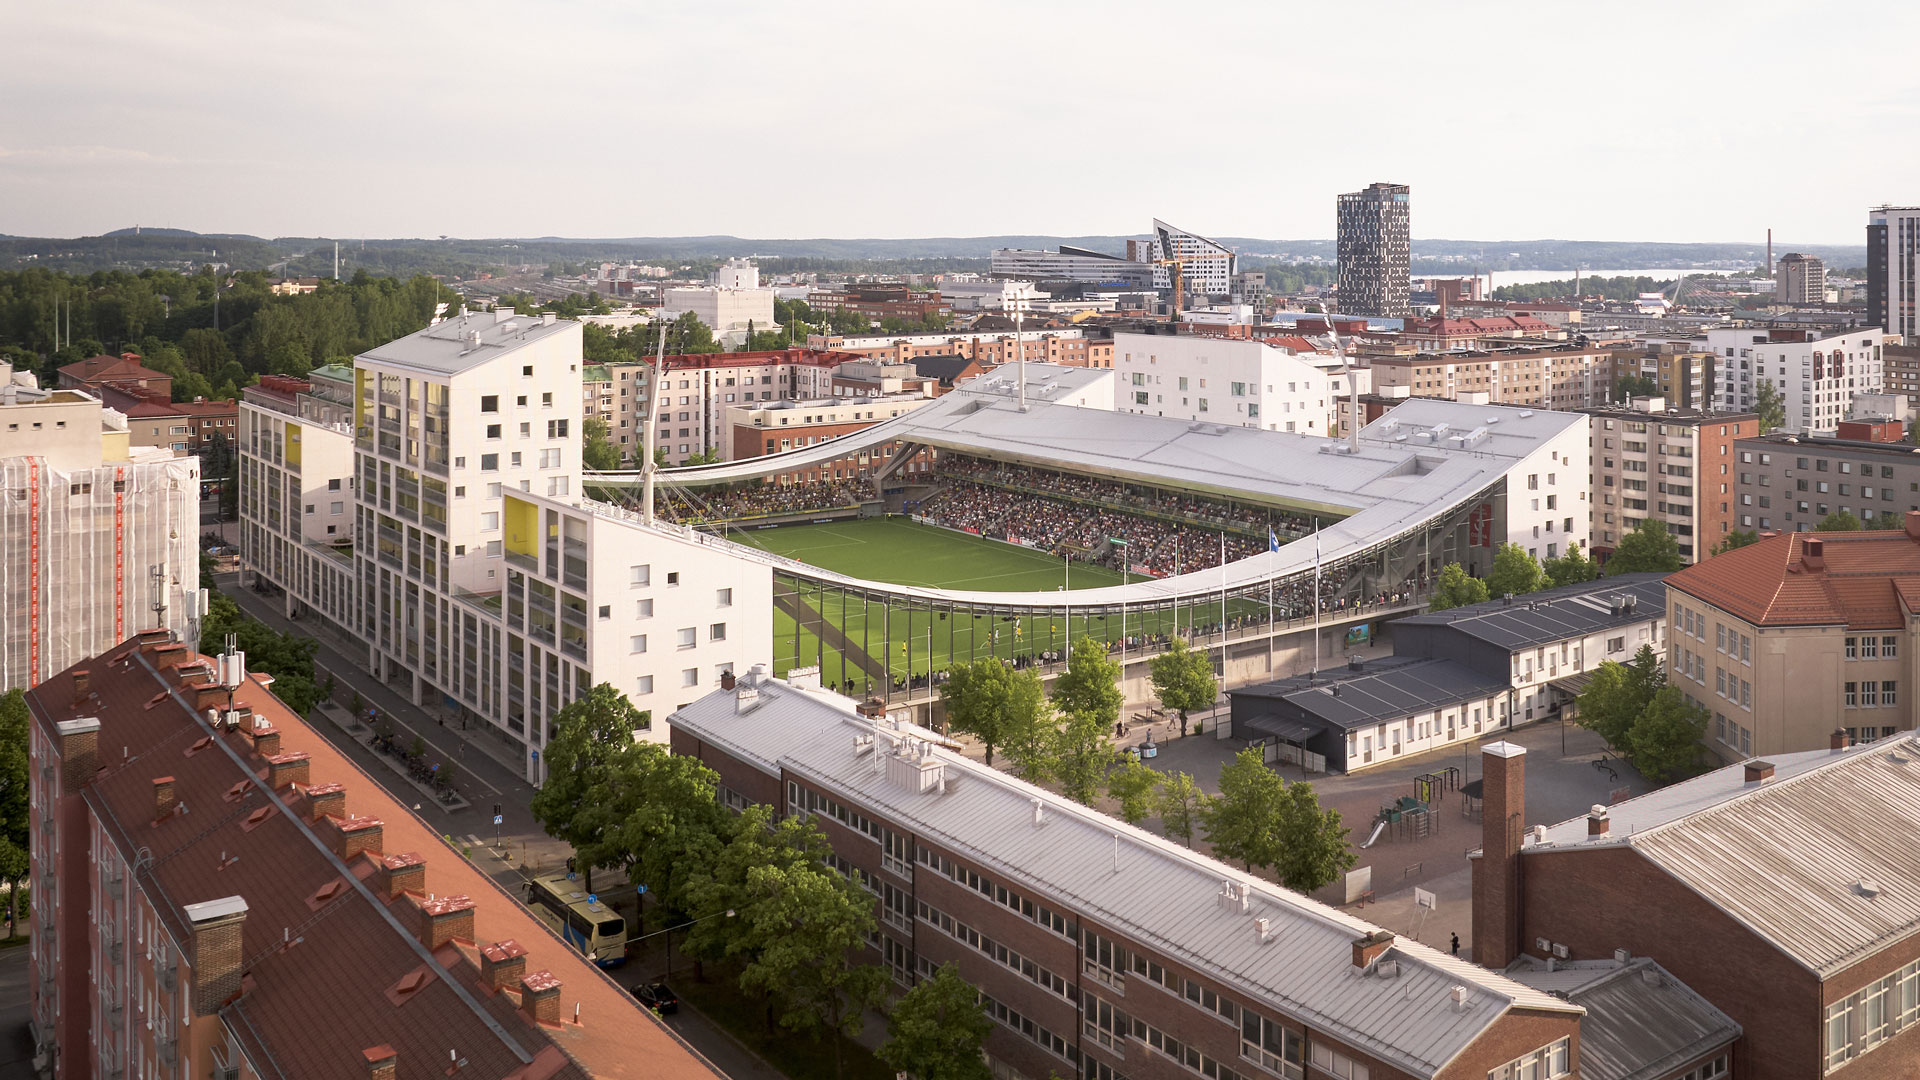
699, 506
1194, 509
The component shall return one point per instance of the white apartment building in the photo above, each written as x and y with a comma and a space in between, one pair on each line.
1237, 381
479, 576
1817, 378
1206, 268
98, 539
296, 501
728, 312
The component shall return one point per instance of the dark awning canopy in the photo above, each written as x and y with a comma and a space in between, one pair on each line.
1293, 731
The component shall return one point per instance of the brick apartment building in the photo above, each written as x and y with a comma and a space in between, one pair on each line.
880, 301
221, 893
1791, 482
1903, 372
1071, 347
1673, 465
764, 430
1442, 335
698, 389
1787, 639
1102, 950
1565, 378
1774, 889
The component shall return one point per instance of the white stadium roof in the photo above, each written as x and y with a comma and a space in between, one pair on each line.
1418, 463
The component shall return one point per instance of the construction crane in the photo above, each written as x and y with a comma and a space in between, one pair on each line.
1179, 282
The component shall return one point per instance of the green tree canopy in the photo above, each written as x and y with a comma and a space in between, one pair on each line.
935, 1031
1181, 804
1312, 842
1514, 572
1241, 821
719, 884
1666, 737
1838, 521
977, 698
1570, 569
659, 818
1090, 686
1183, 678
1648, 548
1133, 783
1738, 538
593, 734
1768, 407
15, 834
596, 449
1027, 738
1608, 706
1080, 755
1456, 588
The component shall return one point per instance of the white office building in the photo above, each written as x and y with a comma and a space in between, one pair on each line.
1238, 381
728, 312
1206, 268
1817, 378
97, 538
480, 579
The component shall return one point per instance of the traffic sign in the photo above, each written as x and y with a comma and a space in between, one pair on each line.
640, 890
496, 819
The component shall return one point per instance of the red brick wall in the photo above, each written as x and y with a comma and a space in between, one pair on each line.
1522, 1031
1599, 900
750, 782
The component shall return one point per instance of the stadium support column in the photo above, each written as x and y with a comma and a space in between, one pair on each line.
843, 635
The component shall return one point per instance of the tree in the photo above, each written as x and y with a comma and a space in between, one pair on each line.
1456, 588
1181, 804
1838, 521
1514, 572
597, 450
935, 1030
806, 925
1240, 821
1091, 683
1080, 755
1608, 706
1666, 737
1738, 538
657, 815
1028, 737
719, 884
1628, 387
1312, 843
1572, 568
1133, 783
591, 734
15, 836
1648, 548
976, 696
1768, 407
1183, 679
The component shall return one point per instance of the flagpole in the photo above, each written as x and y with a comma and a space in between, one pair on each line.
1273, 545
1223, 603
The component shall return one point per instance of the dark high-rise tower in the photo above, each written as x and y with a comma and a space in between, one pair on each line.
1376, 251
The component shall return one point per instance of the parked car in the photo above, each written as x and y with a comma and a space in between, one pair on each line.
658, 997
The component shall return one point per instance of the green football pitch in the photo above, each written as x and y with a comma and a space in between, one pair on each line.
851, 638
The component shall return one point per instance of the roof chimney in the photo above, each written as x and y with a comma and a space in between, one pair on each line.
1598, 827
726, 680
325, 800
382, 1061
163, 797
1370, 948
1912, 520
405, 872
1839, 740
1813, 553
1758, 771
79, 751
540, 997
284, 769
1497, 913
502, 963
443, 919
216, 952
80, 680
354, 835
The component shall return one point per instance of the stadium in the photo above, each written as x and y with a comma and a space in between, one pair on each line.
1020, 512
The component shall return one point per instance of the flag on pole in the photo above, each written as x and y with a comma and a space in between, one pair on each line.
1273, 541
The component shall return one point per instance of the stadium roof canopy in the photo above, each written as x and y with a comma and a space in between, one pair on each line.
1417, 464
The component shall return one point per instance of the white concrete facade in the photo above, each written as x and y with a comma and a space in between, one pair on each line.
1241, 382
1547, 494
727, 312
1817, 380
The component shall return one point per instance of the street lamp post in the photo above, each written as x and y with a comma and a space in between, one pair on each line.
729, 913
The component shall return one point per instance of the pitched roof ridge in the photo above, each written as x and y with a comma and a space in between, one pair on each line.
1747, 793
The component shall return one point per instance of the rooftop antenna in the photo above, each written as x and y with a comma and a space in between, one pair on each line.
233, 670
157, 592
336, 260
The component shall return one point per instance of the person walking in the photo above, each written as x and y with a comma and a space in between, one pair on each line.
1456, 945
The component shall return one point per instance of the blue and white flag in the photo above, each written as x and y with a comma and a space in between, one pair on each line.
1273, 542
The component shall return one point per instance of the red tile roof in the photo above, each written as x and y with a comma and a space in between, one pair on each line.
320, 953
1868, 580
111, 367
807, 357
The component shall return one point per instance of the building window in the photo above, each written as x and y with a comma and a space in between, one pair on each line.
1273, 1047
1106, 961
690, 677
640, 575
1853, 648
1852, 697
1546, 1063
1869, 647
490, 462
1887, 693
724, 598
684, 637
490, 403
637, 643
643, 685
717, 632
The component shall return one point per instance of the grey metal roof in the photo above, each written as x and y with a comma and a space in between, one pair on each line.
1382, 689
448, 347
1641, 1022
1787, 857
1139, 884
1416, 464
1552, 615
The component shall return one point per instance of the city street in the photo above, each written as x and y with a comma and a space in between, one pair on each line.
16, 1005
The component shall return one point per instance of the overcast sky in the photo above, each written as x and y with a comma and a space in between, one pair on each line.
1683, 120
